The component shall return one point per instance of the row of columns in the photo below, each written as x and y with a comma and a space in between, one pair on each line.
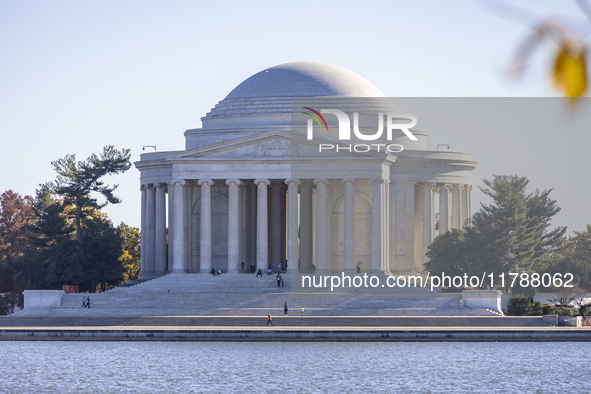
153, 241
295, 250
153, 230
456, 218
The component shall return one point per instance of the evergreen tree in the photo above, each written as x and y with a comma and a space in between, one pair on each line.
77, 180
448, 254
52, 256
576, 259
102, 249
512, 233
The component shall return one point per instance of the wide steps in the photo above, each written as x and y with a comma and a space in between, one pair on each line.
248, 295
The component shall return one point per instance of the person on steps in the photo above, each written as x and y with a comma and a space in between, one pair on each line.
269, 320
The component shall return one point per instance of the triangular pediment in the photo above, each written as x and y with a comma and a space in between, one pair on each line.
266, 145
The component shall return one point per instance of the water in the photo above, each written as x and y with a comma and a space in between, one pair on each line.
179, 367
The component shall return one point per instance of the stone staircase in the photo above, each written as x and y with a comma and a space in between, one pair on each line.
247, 295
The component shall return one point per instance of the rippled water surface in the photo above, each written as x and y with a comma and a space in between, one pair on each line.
293, 367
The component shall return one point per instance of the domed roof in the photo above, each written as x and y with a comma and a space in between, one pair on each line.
305, 79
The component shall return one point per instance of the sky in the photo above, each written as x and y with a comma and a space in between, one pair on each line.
78, 75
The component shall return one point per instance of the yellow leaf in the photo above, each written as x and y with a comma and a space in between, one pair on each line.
570, 70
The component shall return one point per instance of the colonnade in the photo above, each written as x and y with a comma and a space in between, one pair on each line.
402, 223
454, 210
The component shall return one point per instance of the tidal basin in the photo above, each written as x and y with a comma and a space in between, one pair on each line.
152, 367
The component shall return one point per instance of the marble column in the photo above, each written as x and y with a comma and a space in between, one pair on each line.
233, 226
427, 222
321, 225
306, 230
262, 224
292, 224
170, 227
252, 235
444, 222
150, 229
143, 235
205, 227
275, 224
178, 243
456, 208
349, 226
160, 235
376, 225
466, 208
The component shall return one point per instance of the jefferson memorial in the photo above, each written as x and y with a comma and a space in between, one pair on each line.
267, 178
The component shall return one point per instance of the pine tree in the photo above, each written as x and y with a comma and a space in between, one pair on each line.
512, 233
77, 180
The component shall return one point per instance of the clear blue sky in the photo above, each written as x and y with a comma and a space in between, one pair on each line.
78, 75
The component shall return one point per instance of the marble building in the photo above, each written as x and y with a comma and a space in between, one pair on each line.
252, 186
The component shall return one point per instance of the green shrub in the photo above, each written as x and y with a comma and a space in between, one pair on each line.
523, 306
560, 310
536, 309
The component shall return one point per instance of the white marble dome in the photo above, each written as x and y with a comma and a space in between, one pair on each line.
263, 101
305, 79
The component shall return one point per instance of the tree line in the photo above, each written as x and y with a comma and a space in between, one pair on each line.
61, 236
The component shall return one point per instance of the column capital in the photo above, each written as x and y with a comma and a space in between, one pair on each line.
460, 187
445, 186
321, 180
348, 180
161, 186
200, 182
376, 180
294, 181
143, 187
230, 181
177, 181
264, 181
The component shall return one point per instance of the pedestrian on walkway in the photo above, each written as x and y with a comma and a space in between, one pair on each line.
285, 309
84, 302
88, 302
269, 320
278, 280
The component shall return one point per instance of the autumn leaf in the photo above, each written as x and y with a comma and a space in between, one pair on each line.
570, 71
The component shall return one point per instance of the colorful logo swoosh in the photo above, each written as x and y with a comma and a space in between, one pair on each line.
316, 118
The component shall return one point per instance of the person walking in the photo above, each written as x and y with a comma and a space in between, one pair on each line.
285, 309
302, 310
88, 302
269, 320
278, 280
